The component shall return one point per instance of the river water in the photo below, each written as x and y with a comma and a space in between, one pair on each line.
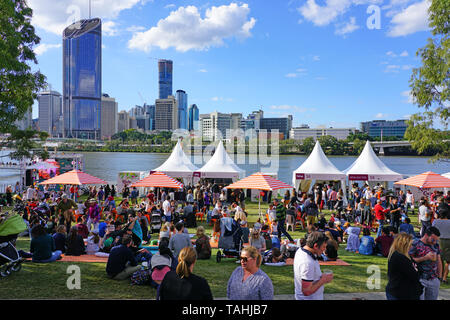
107, 165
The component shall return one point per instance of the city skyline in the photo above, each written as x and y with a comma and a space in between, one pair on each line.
280, 57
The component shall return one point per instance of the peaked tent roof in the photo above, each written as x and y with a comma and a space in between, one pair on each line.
158, 179
317, 167
447, 175
368, 167
178, 164
74, 177
220, 165
426, 180
259, 181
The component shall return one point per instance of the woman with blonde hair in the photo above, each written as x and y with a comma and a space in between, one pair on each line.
183, 284
257, 241
403, 278
248, 281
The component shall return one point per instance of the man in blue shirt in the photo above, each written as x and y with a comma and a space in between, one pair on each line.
121, 261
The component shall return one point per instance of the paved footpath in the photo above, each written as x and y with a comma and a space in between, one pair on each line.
444, 294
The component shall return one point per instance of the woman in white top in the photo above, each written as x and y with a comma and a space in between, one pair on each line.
409, 201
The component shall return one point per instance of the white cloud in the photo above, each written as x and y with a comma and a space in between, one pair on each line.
346, 28
184, 29
291, 75
316, 58
392, 68
221, 99
381, 115
134, 28
324, 15
109, 28
44, 47
169, 6
290, 108
409, 98
203, 70
54, 16
404, 54
410, 20
331, 11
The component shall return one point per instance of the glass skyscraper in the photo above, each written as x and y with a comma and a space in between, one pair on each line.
82, 79
194, 116
182, 109
165, 70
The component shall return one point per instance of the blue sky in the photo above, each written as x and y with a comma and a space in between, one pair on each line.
315, 59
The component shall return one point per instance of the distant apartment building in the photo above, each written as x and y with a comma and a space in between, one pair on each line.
301, 133
50, 113
123, 121
109, 117
166, 114
282, 124
379, 128
214, 126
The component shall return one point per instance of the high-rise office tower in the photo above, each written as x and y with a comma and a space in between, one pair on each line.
50, 113
165, 71
166, 114
182, 109
82, 79
194, 117
109, 121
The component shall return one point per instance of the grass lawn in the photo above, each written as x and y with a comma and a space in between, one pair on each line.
48, 281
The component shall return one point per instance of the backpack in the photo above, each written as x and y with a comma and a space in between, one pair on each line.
141, 277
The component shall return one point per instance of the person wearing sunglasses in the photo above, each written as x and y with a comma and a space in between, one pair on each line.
248, 281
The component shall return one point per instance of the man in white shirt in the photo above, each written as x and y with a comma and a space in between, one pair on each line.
409, 201
308, 278
167, 209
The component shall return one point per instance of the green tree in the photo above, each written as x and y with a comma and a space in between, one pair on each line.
308, 145
430, 88
19, 85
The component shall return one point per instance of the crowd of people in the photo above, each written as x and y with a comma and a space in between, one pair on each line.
60, 223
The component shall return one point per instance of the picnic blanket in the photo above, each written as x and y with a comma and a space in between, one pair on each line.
82, 258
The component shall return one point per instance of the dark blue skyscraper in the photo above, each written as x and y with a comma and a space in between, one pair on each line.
194, 116
165, 70
82, 79
182, 109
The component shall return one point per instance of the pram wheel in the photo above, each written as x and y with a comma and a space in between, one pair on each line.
5, 271
16, 266
218, 257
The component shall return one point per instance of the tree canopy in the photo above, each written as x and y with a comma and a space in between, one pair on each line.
430, 88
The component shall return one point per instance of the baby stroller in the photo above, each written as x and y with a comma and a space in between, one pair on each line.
230, 243
155, 224
10, 227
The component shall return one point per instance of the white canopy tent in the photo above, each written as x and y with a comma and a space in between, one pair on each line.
447, 175
368, 167
317, 167
220, 166
178, 165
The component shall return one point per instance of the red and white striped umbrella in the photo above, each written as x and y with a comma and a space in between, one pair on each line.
426, 180
260, 181
76, 177
158, 179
